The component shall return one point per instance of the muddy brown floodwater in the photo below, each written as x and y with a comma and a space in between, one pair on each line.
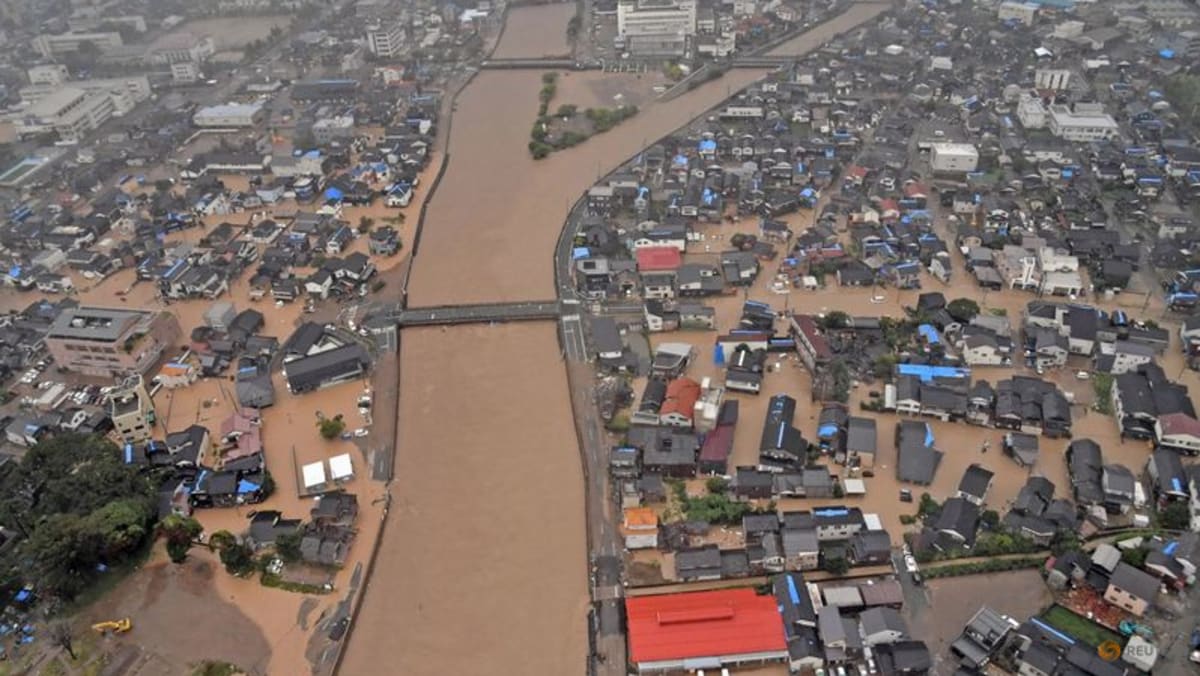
483, 563
536, 31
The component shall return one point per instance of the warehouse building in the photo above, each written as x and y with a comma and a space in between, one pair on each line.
953, 158
704, 630
231, 115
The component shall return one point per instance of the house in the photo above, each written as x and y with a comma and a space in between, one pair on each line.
837, 523
956, 524
698, 564
801, 548
266, 526
607, 339
917, 460
190, 447
903, 658
334, 510
799, 621
679, 404
860, 442
974, 484
870, 548
1021, 447
1131, 589
640, 528
324, 369
1179, 432
882, 625
984, 634
1166, 476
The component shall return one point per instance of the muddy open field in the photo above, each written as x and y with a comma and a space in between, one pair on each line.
483, 562
232, 32
534, 31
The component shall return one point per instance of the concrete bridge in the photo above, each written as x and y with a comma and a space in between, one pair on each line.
486, 313
536, 64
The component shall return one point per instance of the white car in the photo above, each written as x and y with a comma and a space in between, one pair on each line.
910, 564
361, 432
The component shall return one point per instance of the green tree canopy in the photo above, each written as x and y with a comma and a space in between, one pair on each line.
962, 309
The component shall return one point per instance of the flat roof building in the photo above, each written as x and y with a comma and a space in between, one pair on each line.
111, 342
1083, 123
229, 115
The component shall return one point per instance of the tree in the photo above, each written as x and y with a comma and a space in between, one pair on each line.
1175, 516
163, 184
566, 110
331, 428
1135, 557
62, 555
364, 225
287, 546
237, 557
121, 525
928, 507
836, 565
835, 320
962, 310
990, 519
716, 485
180, 533
64, 637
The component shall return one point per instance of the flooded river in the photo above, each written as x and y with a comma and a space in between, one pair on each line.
482, 565
536, 31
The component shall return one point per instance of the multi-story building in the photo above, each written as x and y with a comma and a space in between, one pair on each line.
1052, 78
132, 411
656, 27
111, 342
51, 46
1083, 123
180, 47
1024, 12
330, 129
53, 74
126, 92
70, 112
385, 39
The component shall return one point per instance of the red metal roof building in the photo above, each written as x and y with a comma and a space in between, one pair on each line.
704, 630
658, 259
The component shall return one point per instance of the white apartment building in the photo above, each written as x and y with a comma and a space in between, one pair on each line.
1086, 122
385, 40
51, 46
656, 27
180, 47
1051, 78
127, 91
71, 112
185, 71
953, 158
231, 115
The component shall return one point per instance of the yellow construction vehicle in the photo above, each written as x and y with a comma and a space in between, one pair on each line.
115, 626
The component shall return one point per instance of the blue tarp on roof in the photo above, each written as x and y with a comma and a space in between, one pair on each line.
928, 435
247, 486
927, 373
580, 252
128, 454
23, 596
1166, 53
827, 430
718, 355
832, 511
334, 194
708, 145
929, 333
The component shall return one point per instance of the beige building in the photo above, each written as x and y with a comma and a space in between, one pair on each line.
132, 411
51, 46
111, 342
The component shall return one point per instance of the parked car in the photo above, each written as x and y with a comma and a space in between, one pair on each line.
910, 564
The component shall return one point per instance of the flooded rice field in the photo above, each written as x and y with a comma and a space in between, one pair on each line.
483, 562
535, 31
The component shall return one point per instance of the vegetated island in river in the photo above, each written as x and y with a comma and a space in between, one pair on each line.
567, 127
